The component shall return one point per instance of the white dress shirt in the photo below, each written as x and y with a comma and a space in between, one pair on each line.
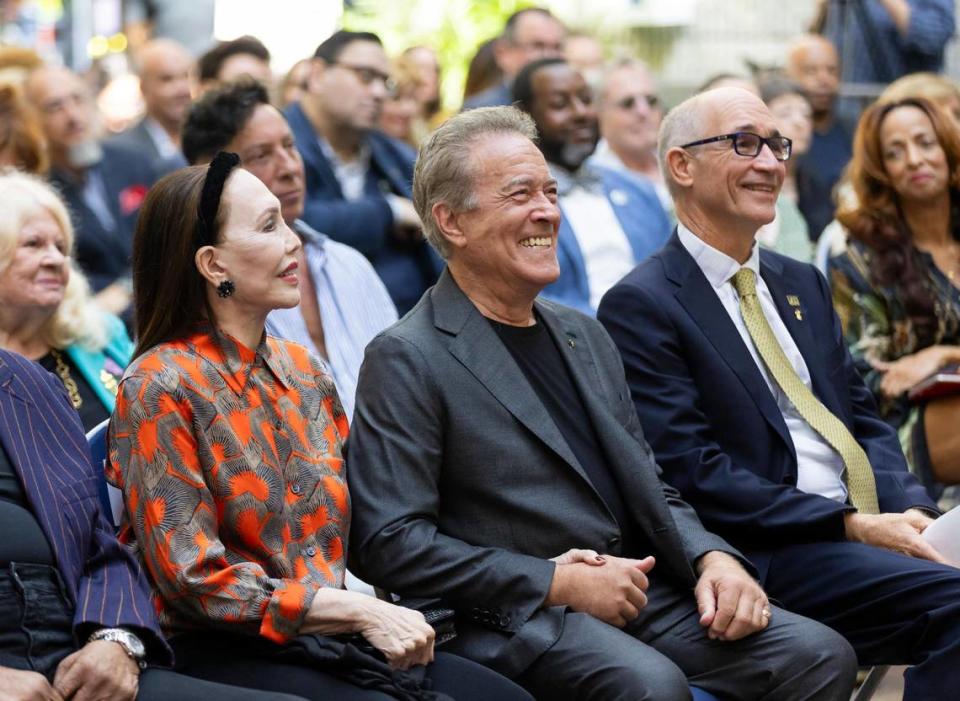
819, 466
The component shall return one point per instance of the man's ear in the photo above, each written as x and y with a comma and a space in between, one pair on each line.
317, 69
680, 167
449, 223
208, 265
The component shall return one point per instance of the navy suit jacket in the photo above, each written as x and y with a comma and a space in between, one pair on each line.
42, 435
102, 254
407, 268
710, 418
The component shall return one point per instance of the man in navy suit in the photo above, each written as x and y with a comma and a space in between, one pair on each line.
358, 180
103, 184
610, 221
715, 407
76, 621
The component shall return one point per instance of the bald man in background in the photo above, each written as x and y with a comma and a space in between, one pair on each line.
165, 83
814, 64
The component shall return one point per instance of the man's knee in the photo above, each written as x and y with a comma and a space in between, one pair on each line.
823, 658
659, 681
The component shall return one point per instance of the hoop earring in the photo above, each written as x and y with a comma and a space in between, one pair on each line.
226, 288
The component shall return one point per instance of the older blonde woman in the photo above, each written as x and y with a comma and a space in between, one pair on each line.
46, 312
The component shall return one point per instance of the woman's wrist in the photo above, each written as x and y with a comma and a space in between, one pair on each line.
335, 611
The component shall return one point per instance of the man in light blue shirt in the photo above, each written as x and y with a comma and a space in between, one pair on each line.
343, 304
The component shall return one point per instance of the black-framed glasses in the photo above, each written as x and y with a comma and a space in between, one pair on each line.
368, 75
748, 144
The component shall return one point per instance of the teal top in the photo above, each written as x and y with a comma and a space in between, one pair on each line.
102, 369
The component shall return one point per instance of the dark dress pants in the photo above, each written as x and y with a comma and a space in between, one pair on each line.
893, 608
663, 652
247, 661
36, 634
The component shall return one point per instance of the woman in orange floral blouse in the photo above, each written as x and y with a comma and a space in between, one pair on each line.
227, 446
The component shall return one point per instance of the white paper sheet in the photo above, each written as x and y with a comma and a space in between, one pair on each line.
944, 535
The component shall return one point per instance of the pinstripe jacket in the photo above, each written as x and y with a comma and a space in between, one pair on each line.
42, 435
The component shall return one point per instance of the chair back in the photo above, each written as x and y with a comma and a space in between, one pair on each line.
111, 498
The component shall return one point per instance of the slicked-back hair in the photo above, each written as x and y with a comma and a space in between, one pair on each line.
212, 61
217, 117
329, 51
443, 172
168, 291
522, 93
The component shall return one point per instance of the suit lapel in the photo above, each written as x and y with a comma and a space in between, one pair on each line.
309, 148
620, 448
701, 302
477, 347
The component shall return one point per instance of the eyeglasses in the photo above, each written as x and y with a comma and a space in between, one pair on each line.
630, 102
368, 75
748, 144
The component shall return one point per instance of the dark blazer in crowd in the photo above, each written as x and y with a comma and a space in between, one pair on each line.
710, 417
44, 440
407, 268
103, 252
137, 138
444, 420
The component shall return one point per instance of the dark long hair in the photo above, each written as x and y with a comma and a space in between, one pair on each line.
877, 218
169, 292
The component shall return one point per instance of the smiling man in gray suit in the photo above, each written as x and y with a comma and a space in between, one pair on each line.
495, 452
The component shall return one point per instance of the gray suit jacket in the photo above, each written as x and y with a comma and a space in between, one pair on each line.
463, 487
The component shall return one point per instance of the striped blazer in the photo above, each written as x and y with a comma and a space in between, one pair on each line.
45, 442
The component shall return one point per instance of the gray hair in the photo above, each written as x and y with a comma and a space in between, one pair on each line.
444, 173
681, 126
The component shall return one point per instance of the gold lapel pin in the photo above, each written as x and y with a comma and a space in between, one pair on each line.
798, 314
793, 300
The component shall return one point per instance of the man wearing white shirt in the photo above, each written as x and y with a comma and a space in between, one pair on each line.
610, 221
755, 412
343, 304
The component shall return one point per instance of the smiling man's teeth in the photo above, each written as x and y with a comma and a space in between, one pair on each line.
535, 241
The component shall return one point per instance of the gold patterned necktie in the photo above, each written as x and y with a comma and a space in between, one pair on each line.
859, 476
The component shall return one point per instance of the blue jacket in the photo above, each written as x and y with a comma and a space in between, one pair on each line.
90, 364
407, 268
41, 433
642, 219
710, 417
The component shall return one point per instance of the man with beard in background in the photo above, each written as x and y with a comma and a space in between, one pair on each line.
610, 222
103, 184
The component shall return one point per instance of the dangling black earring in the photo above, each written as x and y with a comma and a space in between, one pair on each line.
226, 288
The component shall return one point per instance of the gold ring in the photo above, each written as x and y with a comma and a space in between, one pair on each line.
765, 613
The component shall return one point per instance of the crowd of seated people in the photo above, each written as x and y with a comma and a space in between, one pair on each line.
562, 385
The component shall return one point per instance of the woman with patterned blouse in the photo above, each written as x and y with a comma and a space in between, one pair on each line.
227, 444
896, 286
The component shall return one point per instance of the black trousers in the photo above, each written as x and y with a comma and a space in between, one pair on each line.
247, 661
36, 634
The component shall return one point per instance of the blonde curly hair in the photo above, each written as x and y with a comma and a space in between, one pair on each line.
77, 320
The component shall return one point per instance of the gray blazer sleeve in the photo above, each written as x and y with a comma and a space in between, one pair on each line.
395, 463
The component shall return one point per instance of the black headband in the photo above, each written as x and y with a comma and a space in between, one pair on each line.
217, 174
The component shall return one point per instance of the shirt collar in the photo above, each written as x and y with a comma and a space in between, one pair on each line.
716, 265
361, 162
233, 360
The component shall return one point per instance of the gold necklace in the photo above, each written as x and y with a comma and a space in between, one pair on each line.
68, 382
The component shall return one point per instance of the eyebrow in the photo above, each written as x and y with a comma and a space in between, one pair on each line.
266, 214
526, 180
756, 130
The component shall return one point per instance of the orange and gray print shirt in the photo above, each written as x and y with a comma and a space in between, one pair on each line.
230, 463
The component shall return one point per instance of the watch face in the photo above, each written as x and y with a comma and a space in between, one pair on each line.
136, 647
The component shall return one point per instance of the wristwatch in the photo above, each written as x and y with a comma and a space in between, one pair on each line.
130, 643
